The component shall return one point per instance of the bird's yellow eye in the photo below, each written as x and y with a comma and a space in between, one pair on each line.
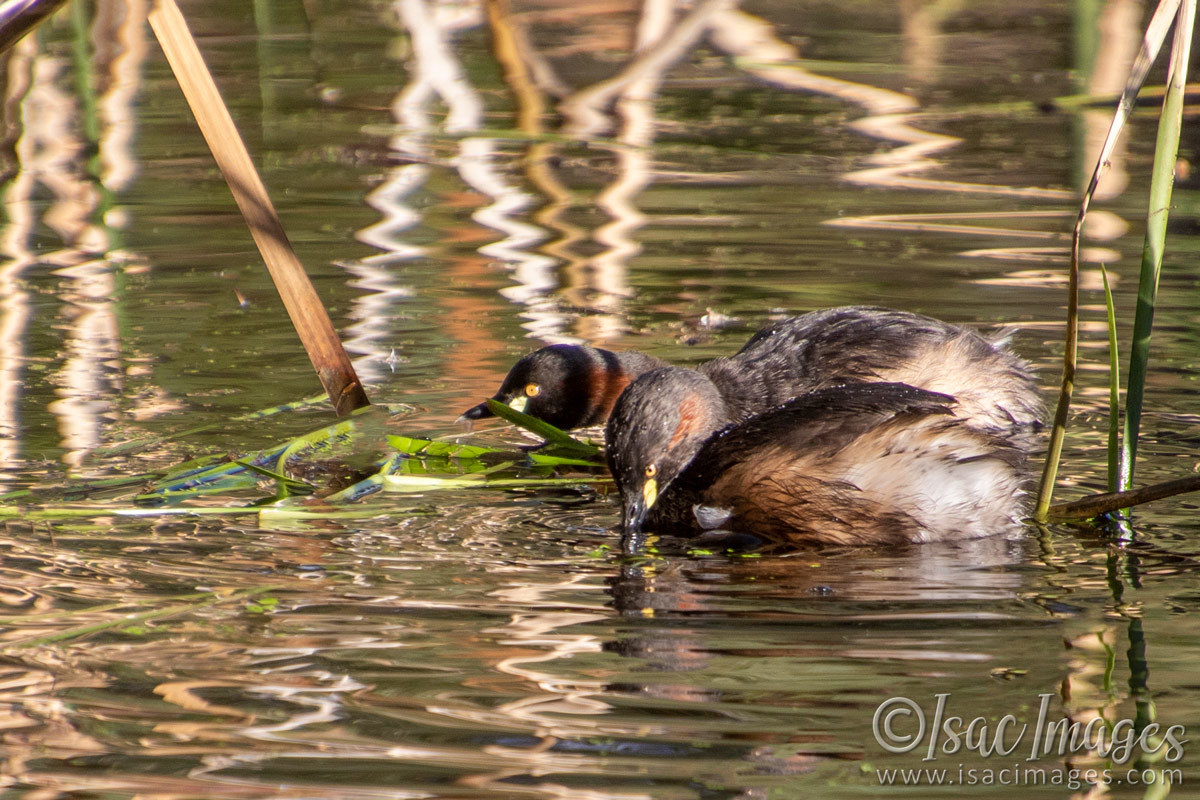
651, 471
532, 390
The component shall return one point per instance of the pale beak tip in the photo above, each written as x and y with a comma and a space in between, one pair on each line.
477, 412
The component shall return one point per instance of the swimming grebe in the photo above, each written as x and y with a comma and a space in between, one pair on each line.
573, 386
861, 463
994, 389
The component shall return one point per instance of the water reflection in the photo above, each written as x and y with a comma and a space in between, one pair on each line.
91, 375
57, 131
378, 671
548, 254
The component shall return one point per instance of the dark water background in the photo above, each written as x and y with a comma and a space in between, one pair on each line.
454, 214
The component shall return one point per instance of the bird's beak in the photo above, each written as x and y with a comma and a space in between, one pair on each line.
480, 411
635, 509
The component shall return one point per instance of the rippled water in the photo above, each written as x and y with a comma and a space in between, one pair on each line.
465, 181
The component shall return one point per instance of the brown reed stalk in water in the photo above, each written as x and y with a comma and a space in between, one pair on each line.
303, 305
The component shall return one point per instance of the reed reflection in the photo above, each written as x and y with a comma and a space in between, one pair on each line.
53, 131
552, 258
50, 155
572, 278
14, 301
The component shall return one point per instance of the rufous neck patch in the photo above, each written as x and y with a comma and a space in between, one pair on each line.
692, 415
607, 383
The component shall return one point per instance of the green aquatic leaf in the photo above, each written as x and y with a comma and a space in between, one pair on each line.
362, 429
262, 605
195, 465
417, 464
544, 460
288, 486
1162, 182
560, 439
279, 514
424, 464
236, 482
360, 434
1114, 388
428, 447
180, 482
366, 486
425, 483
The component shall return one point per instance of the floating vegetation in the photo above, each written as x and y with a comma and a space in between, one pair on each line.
557, 441
287, 479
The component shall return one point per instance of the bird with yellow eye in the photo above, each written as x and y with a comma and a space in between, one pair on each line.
650, 487
569, 386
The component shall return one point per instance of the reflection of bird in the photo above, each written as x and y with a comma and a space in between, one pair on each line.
861, 463
571, 386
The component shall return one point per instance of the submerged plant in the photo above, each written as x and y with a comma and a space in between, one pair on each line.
387, 462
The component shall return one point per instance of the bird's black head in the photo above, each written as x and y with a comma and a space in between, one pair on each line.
658, 425
559, 384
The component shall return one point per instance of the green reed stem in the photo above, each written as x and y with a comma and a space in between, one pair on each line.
1162, 181
1167, 12
1114, 385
